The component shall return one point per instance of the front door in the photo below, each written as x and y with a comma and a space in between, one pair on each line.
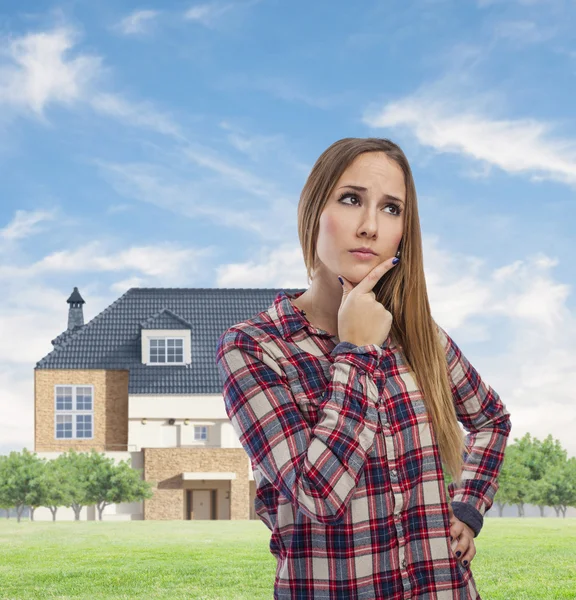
202, 504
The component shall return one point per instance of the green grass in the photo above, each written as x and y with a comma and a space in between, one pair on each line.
517, 559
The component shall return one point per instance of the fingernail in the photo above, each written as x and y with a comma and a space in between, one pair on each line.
458, 553
464, 562
395, 260
340, 280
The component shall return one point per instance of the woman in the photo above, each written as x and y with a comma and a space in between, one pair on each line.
347, 398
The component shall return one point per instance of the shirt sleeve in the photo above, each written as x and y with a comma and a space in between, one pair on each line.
485, 418
316, 468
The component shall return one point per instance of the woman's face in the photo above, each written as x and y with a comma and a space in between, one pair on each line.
366, 208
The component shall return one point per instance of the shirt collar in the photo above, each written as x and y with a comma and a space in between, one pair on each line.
287, 318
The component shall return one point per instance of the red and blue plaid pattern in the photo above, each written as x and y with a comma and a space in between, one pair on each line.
347, 468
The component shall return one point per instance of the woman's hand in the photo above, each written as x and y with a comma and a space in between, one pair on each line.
465, 536
361, 318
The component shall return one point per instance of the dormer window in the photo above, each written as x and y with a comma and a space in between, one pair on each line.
167, 350
166, 339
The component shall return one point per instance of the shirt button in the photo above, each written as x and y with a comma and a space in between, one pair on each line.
404, 563
386, 424
393, 473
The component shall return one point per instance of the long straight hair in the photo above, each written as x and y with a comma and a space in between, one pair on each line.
402, 290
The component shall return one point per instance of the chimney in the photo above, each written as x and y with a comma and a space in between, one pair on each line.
75, 313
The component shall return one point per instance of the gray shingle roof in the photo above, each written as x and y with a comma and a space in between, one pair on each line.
111, 340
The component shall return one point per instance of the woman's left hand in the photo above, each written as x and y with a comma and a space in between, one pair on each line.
465, 536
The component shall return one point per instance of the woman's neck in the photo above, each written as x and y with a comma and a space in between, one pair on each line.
322, 308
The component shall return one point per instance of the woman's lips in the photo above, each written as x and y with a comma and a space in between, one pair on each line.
363, 255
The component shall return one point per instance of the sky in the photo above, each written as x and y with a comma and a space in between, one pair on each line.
166, 144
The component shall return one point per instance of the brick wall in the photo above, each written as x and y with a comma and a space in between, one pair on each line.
163, 467
110, 422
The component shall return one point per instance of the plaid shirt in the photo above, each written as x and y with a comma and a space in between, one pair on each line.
347, 469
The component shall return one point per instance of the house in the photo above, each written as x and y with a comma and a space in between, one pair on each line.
140, 382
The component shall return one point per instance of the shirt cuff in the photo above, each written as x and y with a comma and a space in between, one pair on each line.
365, 357
469, 515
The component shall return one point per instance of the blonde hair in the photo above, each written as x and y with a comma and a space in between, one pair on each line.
402, 290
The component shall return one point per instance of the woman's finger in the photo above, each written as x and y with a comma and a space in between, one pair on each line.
467, 557
462, 547
373, 277
456, 529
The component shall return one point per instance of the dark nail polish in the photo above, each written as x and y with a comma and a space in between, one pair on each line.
340, 280
395, 260
464, 562
458, 553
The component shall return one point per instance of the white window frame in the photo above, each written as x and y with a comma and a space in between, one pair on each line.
201, 439
166, 338
74, 412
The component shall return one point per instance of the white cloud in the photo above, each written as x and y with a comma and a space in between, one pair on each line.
263, 148
36, 70
515, 145
522, 33
137, 22
521, 314
139, 114
237, 176
254, 146
120, 287
162, 264
17, 407
224, 201
280, 267
207, 13
210, 14
26, 223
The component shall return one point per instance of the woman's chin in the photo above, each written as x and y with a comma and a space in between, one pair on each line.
357, 274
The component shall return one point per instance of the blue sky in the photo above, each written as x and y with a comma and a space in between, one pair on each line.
166, 144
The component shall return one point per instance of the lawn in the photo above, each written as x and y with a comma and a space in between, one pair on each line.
517, 559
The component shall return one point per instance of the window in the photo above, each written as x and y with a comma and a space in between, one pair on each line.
74, 411
200, 433
167, 350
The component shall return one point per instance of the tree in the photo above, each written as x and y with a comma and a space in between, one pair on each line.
513, 480
59, 484
111, 484
38, 488
540, 458
17, 476
5, 502
73, 479
77, 466
559, 486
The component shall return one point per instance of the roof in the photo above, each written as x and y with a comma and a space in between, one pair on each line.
111, 340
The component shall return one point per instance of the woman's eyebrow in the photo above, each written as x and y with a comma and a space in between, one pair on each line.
359, 188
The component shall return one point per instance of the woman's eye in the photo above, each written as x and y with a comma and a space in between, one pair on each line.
396, 212
396, 208
348, 196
